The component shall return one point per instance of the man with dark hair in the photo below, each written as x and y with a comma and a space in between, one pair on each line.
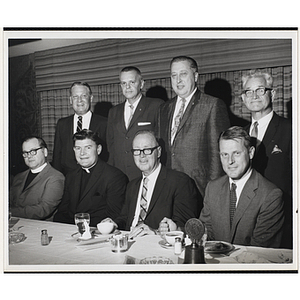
80, 98
124, 120
36, 192
189, 125
242, 207
95, 188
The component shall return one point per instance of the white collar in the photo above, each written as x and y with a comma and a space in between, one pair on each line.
39, 169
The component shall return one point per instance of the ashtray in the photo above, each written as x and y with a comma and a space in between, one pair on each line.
16, 237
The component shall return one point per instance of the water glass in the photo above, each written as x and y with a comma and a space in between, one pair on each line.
119, 243
80, 219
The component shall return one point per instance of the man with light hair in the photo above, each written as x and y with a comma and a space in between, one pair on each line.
273, 139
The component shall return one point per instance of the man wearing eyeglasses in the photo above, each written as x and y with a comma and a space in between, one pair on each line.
124, 120
160, 193
81, 98
36, 192
273, 139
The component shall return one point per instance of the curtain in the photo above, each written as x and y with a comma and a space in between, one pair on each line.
227, 86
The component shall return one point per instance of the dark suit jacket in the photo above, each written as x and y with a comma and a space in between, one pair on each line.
102, 197
175, 196
119, 139
259, 217
63, 154
195, 148
275, 165
40, 198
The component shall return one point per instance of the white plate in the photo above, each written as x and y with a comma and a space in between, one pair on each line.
217, 247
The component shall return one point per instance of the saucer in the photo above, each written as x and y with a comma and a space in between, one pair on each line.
165, 244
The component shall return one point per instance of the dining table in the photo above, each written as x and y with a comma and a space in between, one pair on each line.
66, 252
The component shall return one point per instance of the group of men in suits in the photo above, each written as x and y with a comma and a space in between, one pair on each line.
179, 164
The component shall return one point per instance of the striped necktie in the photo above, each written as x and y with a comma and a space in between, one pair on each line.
178, 119
79, 124
233, 200
143, 202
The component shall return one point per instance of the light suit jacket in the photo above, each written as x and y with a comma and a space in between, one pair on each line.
40, 198
119, 139
195, 148
259, 216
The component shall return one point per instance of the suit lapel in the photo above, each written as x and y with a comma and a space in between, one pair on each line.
189, 110
271, 130
138, 111
120, 122
160, 183
36, 179
93, 179
248, 193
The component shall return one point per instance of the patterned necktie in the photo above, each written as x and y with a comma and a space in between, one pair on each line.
79, 124
130, 116
254, 131
143, 202
178, 118
233, 200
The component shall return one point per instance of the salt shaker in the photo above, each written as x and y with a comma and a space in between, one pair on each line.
44, 238
177, 246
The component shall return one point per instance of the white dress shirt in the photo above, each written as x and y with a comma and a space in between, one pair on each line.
86, 120
240, 184
150, 188
127, 109
263, 124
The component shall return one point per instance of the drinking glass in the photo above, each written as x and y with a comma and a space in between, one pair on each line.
79, 221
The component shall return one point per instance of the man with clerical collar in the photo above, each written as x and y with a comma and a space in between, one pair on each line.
242, 207
81, 97
96, 188
36, 193
273, 139
158, 194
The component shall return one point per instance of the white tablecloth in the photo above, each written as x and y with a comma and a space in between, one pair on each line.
65, 253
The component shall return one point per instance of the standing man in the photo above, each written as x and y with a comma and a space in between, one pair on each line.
95, 188
242, 207
124, 120
273, 138
190, 124
36, 193
80, 98
159, 193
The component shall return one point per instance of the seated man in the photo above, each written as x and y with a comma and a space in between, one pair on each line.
242, 207
36, 192
95, 187
160, 193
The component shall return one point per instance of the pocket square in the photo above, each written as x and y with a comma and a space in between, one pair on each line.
276, 150
144, 123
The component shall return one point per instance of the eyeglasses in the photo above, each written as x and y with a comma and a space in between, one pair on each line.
147, 151
259, 92
31, 152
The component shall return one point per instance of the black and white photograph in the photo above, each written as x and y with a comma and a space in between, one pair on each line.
150, 151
